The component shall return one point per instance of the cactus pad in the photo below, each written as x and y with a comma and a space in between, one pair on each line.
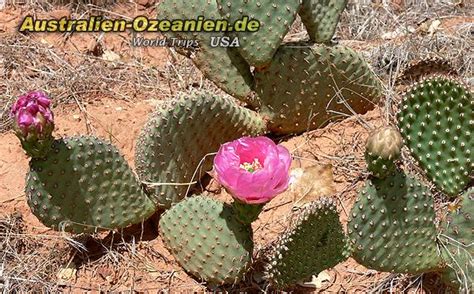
180, 134
84, 184
382, 150
418, 69
275, 17
223, 66
317, 242
306, 87
458, 245
320, 18
228, 70
436, 120
392, 227
207, 240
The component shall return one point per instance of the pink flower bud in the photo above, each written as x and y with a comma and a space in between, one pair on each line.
32, 115
253, 170
33, 123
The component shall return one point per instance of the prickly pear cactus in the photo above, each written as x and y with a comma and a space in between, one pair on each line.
392, 226
317, 242
207, 240
275, 17
418, 69
84, 184
436, 120
180, 134
305, 87
223, 66
457, 245
229, 71
320, 18
382, 150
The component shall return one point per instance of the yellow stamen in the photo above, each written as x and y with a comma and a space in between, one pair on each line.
251, 167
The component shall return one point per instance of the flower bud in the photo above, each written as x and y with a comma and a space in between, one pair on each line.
33, 122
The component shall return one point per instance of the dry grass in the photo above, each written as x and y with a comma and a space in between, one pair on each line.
37, 262
369, 20
411, 39
27, 262
26, 65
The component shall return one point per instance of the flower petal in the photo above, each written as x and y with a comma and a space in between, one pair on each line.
24, 118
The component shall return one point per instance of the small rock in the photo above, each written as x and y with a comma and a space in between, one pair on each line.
67, 275
317, 281
110, 56
434, 27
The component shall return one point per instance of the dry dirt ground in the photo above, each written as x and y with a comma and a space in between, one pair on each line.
102, 86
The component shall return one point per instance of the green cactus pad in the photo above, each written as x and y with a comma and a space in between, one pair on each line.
317, 242
418, 69
305, 87
320, 18
275, 17
83, 185
379, 166
383, 148
436, 120
223, 66
392, 226
181, 133
457, 245
229, 71
207, 240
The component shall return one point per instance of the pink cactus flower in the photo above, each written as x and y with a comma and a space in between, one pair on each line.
253, 170
32, 115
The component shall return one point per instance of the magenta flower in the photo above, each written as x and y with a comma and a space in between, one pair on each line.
253, 170
32, 115
33, 123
